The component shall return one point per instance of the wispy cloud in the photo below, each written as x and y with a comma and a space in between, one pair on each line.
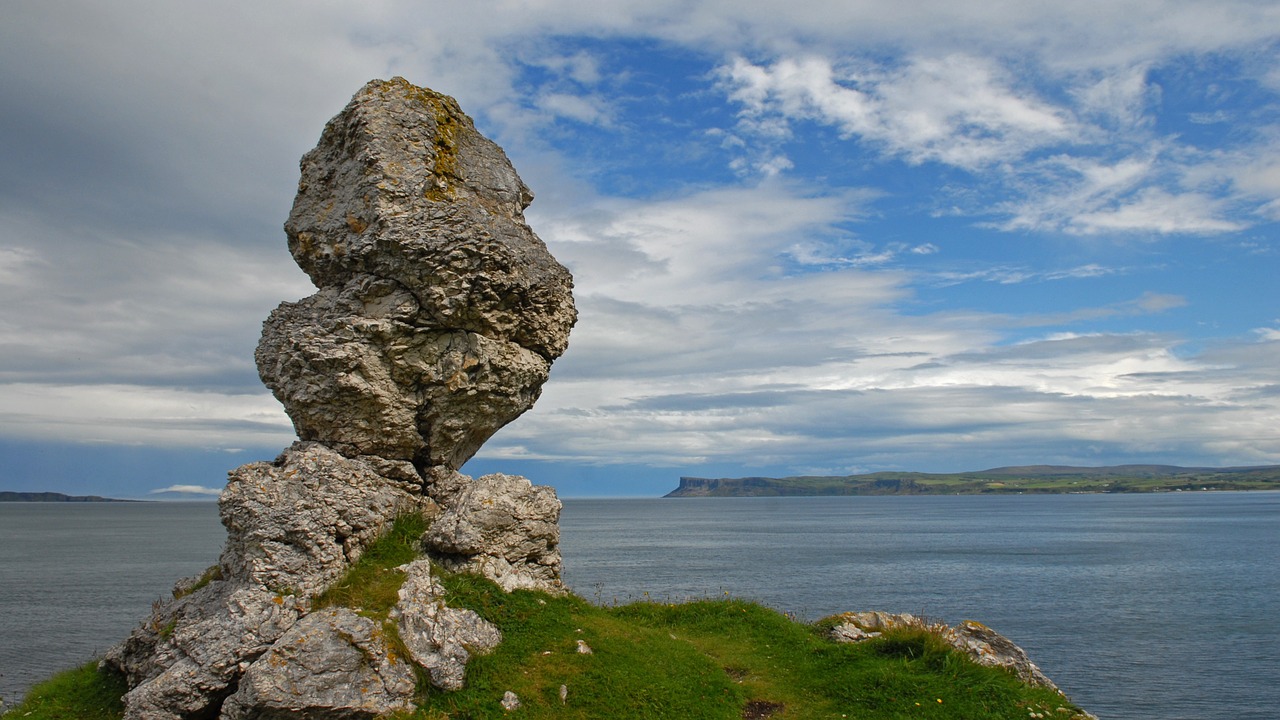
187, 490
1087, 163
958, 110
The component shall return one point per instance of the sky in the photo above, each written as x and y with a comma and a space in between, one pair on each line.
807, 238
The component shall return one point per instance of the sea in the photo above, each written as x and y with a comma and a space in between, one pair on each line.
1159, 606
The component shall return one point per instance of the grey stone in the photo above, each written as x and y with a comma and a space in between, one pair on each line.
982, 644
439, 638
439, 311
502, 527
510, 701
187, 656
988, 647
294, 525
331, 665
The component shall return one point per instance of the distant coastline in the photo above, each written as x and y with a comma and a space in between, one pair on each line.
10, 496
1042, 479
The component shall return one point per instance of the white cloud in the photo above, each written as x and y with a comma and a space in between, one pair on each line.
136, 414
583, 109
1116, 95
1088, 163
958, 110
187, 490
1155, 210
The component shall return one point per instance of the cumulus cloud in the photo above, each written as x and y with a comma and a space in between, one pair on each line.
958, 110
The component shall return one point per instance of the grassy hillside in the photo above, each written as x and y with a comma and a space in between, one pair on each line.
1011, 480
715, 658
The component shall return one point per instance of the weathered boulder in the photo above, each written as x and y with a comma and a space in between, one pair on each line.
189, 654
988, 647
331, 665
502, 527
294, 525
439, 638
982, 644
439, 311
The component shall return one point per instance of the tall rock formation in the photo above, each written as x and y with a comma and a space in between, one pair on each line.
437, 317
439, 311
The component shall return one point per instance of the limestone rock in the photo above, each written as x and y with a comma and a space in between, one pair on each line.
439, 638
988, 647
188, 655
437, 317
296, 524
331, 665
439, 311
982, 644
510, 701
502, 527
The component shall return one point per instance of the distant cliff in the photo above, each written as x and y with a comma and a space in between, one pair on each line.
1005, 480
9, 496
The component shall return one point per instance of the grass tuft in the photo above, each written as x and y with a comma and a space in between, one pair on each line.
83, 693
371, 583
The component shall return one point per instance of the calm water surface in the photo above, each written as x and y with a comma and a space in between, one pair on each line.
1138, 606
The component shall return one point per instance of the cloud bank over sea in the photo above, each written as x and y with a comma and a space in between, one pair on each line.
843, 238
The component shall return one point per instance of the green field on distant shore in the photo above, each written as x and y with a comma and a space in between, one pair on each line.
1006, 480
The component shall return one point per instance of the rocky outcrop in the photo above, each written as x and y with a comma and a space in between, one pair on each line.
295, 525
502, 527
437, 317
439, 311
188, 656
982, 644
330, 664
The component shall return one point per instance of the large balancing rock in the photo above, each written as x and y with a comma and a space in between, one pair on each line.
439, 311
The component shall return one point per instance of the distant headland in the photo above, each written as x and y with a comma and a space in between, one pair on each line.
10, 496
1043, 479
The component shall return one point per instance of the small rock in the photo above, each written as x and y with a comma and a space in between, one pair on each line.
502, 527
439, 638
331, 665
583, 648
564, 694
510, 701
298, 522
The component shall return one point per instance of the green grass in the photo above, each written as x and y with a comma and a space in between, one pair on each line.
83, 693
371, 583
707, 659
711, 659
